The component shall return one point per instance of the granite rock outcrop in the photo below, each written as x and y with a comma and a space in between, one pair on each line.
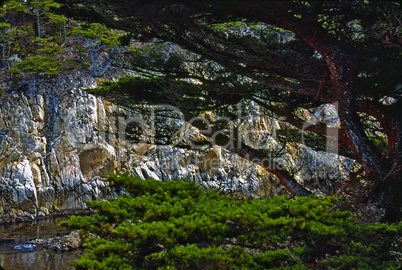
57, 140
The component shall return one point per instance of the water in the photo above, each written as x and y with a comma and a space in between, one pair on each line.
15, 253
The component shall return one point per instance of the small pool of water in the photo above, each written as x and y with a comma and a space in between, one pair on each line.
15, 253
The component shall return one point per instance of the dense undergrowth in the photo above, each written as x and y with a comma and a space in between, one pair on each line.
178, 225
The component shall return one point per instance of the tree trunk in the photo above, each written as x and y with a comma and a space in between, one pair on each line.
271, 166
65, 31
341, 65
4, 56
376, 168
358, 142
8, 55
38, 23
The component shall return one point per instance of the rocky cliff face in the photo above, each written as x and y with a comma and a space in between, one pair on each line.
56, 140
40, 137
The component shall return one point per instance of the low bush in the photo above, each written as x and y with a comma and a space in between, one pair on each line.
178, 225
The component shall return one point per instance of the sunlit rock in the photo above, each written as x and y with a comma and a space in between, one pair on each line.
56, 143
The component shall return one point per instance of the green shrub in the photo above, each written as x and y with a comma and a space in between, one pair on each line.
178, 225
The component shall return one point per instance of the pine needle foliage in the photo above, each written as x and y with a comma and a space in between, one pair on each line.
178, 225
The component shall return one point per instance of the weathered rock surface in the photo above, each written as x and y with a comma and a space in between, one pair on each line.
49, 153
68, 242
57, 140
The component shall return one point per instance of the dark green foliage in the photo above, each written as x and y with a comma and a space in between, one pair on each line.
130, 91
125, 39
97, 32
146, 89
315, 141
40, 64
178, 225
19, 85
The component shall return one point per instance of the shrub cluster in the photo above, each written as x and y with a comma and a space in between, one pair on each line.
178, 225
